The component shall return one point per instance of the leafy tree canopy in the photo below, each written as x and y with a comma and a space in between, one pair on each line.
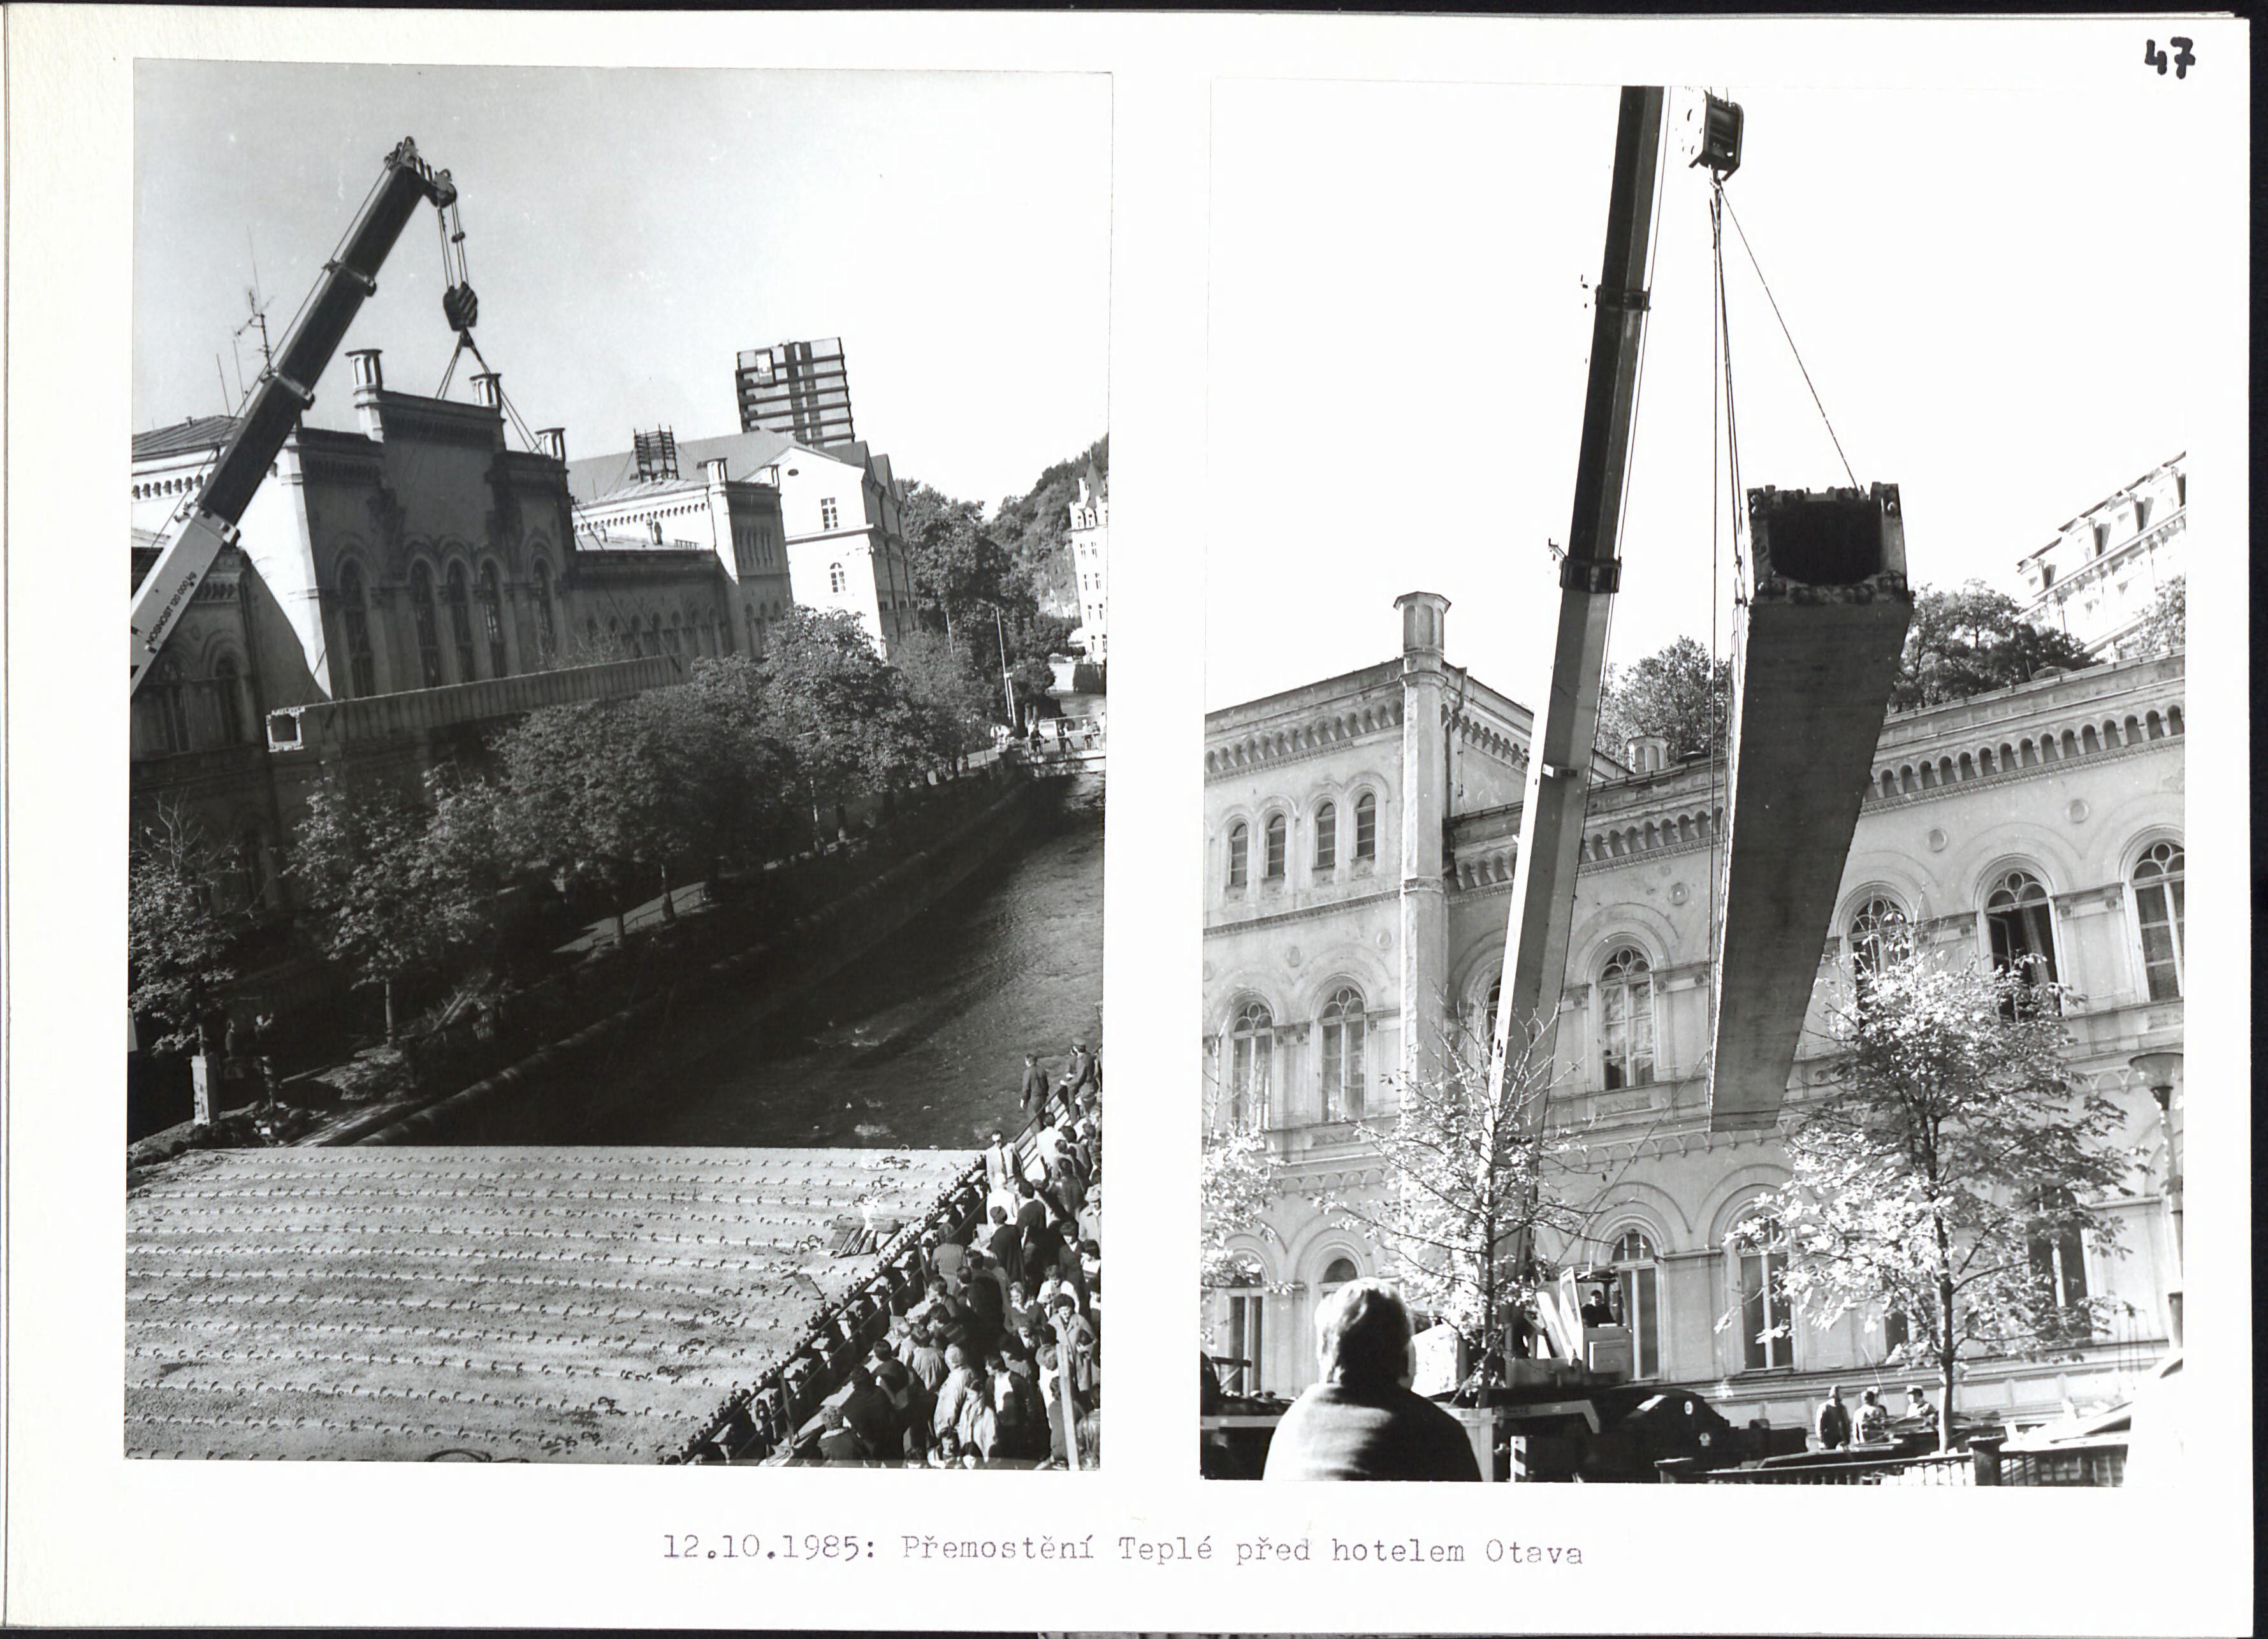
2165, 629
177, 942
1677, 692
1971, 640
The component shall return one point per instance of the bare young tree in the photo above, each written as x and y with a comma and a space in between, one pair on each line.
178, 937
1472, 1179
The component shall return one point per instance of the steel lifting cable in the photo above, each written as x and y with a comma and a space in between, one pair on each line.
1783, 331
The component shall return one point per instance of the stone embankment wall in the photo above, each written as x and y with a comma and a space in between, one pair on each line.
636, 1055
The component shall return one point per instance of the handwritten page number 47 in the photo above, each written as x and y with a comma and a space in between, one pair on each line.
2182, 57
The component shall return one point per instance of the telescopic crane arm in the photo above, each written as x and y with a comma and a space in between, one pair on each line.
286, 388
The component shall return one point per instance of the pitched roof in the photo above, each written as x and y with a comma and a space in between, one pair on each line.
198, 432
745, 454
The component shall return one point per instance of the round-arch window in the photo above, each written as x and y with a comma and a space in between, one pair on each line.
1326, 837
1343, 1023
1877, 933
1626, 1018
2158, 878
362, 660
2022, 931
1240, 849
1251, 1050
429, 632
1636, 1299
1342, 1270
1277, 832
1767, 1315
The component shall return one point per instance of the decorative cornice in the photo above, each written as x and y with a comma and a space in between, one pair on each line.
1328, 731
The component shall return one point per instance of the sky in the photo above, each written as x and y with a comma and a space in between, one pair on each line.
629, 230
1988, 292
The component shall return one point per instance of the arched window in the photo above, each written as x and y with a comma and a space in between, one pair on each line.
2158, 878
460, 623
1636, 1300
1251, 1056
1626, 1018
1326, 837
1878, 935
546, 633
1366, 827
2022, 932
252, 859
1339, 1272
424, 618
1342, 1073
354, 615
1767, 1318
227, 702
492, 620
1240, 849
168, 723
670, 639
1277, 832
835, 578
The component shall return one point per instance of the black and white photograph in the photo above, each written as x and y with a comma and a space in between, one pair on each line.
617, 758
1619, 827
1695, 942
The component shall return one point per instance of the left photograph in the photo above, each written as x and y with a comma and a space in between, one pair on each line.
620, 621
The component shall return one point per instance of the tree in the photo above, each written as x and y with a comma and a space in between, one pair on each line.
1677, 692
1952, 1169
1237, 1180
177, 942
1971, 640
2165, 628
953, 707
615, 792
373, 900
958, 568
1469, 1184
840, 715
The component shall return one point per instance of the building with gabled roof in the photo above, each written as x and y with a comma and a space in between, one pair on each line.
839, 510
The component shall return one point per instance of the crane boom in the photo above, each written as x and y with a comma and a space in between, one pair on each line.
1559, 752
285, 389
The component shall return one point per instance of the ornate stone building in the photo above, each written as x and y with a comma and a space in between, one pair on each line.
419, 563
1359, 834
837, 512
2098, 579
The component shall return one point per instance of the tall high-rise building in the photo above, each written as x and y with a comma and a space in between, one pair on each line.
797, 389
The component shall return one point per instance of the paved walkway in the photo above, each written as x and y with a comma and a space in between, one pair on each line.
536, 1304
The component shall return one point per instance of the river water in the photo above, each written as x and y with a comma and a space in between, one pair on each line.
921, 1043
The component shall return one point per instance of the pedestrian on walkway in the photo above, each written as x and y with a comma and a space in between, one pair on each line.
1035, 1094
1833, 1428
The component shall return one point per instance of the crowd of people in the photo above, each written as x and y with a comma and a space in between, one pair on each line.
978, 1342
1838, 1427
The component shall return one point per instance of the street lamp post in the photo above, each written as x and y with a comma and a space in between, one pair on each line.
1007, 689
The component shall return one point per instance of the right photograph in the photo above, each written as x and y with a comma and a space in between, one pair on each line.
1693, 914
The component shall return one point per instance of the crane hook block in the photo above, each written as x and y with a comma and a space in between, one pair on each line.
461, 307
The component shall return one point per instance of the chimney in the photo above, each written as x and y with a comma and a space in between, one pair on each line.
553, 442
369, 383
1646, 754
1424, 617
714, 470
488, 390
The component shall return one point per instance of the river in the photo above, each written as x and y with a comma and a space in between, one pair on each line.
921, 1043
